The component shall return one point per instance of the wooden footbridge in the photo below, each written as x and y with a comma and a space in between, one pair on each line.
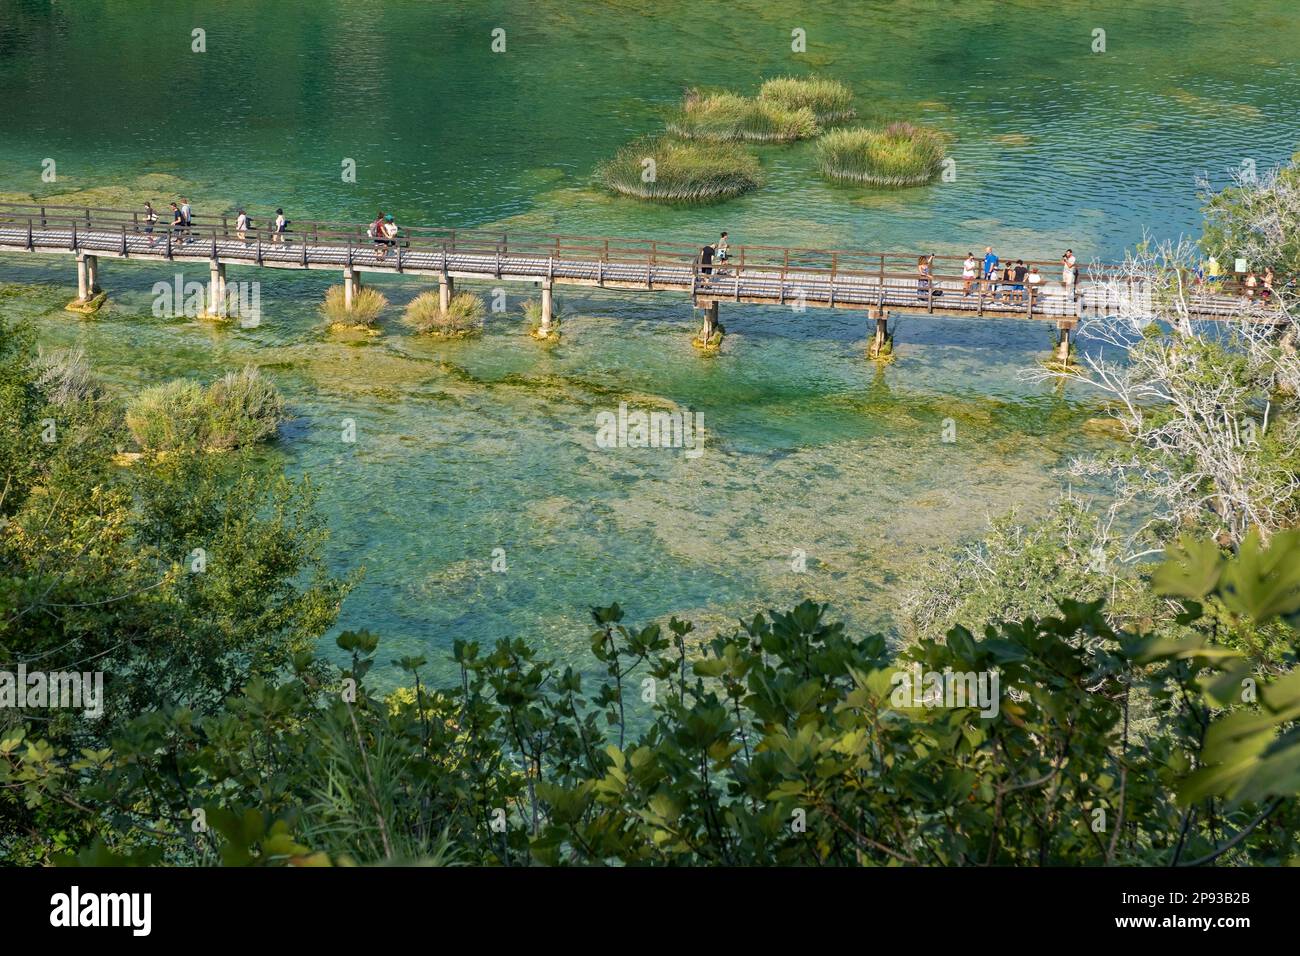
876, 283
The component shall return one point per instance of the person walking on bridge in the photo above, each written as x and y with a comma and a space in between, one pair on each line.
241, 226
150, 217
178, 222
277, 231
722, 252
187, 219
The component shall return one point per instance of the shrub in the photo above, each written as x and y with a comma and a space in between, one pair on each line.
727, 116
170, 417
64, 377
829, 100
235, 411
464, 315
245, 407
900, 154
687, 172
367, 303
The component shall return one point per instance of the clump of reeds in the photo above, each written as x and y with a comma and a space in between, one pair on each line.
367, 303
672, 171
721, 117
900, 154
464, 315
830, 100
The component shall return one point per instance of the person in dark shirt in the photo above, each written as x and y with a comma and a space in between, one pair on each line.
1018, 274
706, 260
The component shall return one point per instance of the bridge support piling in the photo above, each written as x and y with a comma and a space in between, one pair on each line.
83, 283
882, 343
548, 309
351, 286
217, 289
92, 274
446, 289
710, 336
1062, 355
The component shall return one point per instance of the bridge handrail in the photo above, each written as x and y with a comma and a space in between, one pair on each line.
755, 261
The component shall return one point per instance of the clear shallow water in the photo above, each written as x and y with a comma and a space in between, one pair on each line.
467, 447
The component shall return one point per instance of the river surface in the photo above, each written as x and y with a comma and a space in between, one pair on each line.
464, 448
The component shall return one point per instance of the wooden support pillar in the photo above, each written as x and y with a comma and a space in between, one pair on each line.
83, 288
446, 289
92, 273
1063, 342
216, 288
350, 287
548, 309
880, 341
710, 321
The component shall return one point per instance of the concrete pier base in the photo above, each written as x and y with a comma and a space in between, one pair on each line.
446, 289
710, 335
89, 296
217, 290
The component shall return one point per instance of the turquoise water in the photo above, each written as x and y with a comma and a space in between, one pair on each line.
466, 447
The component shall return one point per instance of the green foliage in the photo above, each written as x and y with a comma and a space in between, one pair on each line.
900, 154
1257, 221
722, 117
180, 580
829, 100
682, 172
245, 408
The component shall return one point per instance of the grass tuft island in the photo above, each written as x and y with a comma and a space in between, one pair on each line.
673, 171
900, 154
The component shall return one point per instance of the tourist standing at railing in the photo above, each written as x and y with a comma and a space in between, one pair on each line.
722, 252
990, 263
923, 277
1034, 280
1069, 271
1252, 283
1267, 282
150, 217
1019, 274
968, 270
706, 259
389, 229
